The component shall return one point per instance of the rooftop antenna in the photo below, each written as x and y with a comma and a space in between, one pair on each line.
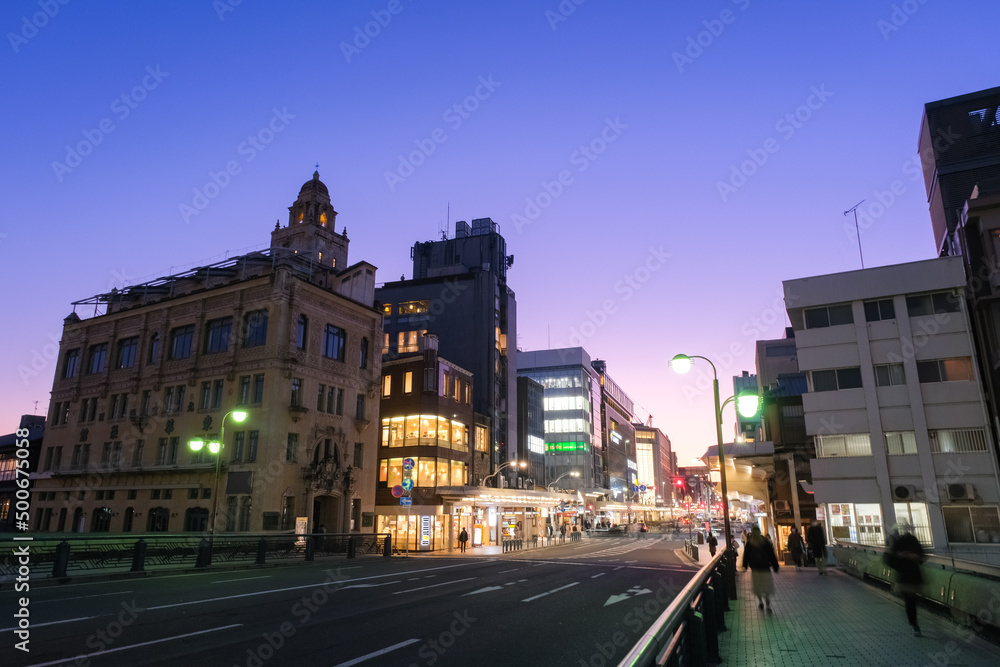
857, 229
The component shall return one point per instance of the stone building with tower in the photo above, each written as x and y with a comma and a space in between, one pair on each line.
290, 335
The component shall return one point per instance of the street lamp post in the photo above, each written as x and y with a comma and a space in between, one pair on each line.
216, 448
512, 463
682, 364
572, 473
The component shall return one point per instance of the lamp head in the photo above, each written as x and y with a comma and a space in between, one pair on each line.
575, 474
239, 415
196, 444
214, 447
681, 363
748, 405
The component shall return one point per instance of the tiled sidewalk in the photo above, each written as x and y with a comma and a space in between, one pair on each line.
839, 620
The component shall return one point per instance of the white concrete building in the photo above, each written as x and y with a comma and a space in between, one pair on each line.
895, 407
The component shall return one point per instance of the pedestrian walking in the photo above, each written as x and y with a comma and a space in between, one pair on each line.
759, 556
796, 547
905, 556
816, 537
712, 543
463, 538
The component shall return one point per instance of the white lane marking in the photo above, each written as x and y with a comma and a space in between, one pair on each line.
554, 590
506, 571
384, 583
39, 625
599, 574
377, 653
81, 597
131, 646
226, 581
618, 568
443, 583
296, 588
484, 590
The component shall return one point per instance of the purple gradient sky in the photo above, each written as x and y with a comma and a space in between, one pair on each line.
116, 216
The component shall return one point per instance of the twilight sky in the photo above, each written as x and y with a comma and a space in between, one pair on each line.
657, 169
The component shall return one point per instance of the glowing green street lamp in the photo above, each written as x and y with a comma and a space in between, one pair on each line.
216, 447
747, 405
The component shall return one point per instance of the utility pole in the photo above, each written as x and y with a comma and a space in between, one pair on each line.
857, 229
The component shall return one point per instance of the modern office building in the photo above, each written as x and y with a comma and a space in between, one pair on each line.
572, 416
530, 434
427, 417
621, 471
289, 335
459, 292
959, 149
653, 460
895, 407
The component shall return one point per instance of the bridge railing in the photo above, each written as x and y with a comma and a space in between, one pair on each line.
64, 556
686, 633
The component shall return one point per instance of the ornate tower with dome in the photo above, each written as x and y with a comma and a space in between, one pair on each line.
311, 229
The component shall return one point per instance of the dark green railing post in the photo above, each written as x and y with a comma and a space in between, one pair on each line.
139, 556
62, 560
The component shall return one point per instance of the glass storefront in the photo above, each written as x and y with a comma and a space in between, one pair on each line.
856, 522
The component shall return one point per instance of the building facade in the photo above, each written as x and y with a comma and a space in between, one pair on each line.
654, 459
459, 292
573, 426
895, 407
24, 444
530, 434
289, 336
621, 471
426, 417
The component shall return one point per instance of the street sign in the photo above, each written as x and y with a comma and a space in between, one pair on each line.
407, 483
406, 501
642, 487
408, 463
397, 491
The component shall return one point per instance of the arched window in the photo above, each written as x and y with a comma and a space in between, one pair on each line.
77, 526
159, 520
127, 521
196, 520
364, 353
100, 521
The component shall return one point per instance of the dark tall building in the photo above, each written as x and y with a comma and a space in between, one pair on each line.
959, 149
617, 412
27, 437
531, 431
459, 292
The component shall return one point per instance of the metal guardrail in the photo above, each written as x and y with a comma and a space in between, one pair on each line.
63, 556
686, 633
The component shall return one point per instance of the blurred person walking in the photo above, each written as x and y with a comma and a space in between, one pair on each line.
796, 547
905, 556
816, 537
759, 556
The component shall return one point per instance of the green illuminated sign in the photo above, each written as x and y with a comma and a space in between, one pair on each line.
565, 446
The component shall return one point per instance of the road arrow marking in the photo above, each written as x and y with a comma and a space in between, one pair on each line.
484, 590
616, 598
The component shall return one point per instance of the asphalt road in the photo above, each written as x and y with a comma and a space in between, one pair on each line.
584, 603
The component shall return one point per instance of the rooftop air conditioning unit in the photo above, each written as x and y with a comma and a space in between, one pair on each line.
781, 505
904, 492
961, 492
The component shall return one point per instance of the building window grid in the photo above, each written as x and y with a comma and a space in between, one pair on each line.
900, 443
887, 375
255, 328
882, 309
850, 444
126, 352
954, 369
828, 316
957, 440
334, 339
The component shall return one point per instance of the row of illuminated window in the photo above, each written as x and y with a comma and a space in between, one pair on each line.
535, 444
919, 305
862, 523
567, 426
564, 403
954, 369
942, 441
217, 338
451, 386
426, 472
424, 430
406, 341
406, 308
